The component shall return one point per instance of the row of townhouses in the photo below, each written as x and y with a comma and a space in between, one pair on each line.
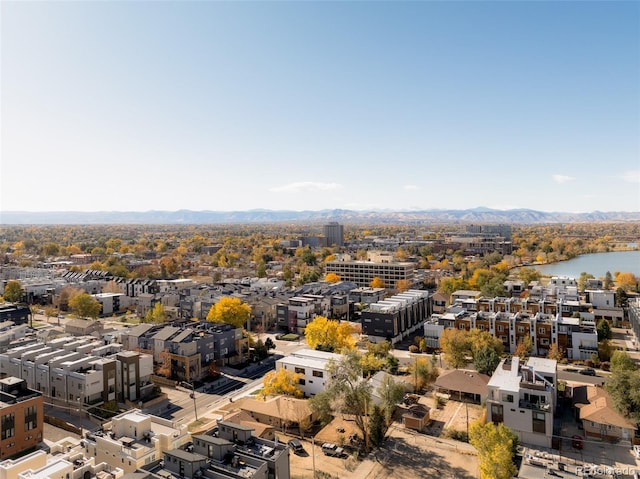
79, 370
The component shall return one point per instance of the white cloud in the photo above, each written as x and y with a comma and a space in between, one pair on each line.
563, 178
410, 187
631, 176
302, 186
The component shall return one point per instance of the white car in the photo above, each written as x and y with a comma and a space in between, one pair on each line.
636, 451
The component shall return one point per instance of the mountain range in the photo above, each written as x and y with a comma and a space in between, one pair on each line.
475, 215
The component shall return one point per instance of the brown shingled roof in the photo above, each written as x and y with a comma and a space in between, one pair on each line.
459, 380
600, 409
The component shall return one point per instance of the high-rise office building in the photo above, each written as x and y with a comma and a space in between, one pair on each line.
334, 234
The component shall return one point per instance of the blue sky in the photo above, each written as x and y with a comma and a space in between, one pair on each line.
136, 106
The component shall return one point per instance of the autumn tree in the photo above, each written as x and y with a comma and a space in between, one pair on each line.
157, 314
524, 348
332, 278
376, 282
111, 287
495, 446
85, 306
456, 347
230, 311
528, 275
403, 285
626, 281
621, 361
423, 371
329, 335
555, 352
13, 291
50, 311
282, 382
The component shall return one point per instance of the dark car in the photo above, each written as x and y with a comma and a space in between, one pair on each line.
576, 442
296, 446
588, 371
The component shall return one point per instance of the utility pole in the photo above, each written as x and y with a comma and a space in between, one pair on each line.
313, 454
193, 395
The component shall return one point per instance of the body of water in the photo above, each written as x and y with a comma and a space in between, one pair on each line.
596, 264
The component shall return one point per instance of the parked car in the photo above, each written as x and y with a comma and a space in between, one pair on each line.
330, 449
588, 371
296, 446
636, 451
576, 442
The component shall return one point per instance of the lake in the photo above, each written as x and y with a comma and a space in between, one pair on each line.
597, 264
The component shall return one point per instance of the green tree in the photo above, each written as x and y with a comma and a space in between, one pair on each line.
349, 393
13, 291
320, 405
582, 280
624, 388
230, 311
486, 360
604, 330
391, 392
608, 280
621, 361
622, 298
495, 445
85, 305
377, 426
528, 275
605, 350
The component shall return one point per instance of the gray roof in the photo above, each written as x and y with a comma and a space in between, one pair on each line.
166, 332
212, 439
140, 329
187, 456
183, 335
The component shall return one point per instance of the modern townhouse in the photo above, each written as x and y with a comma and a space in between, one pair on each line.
133, 439
523, 397
64, 460
21, 417
396, 317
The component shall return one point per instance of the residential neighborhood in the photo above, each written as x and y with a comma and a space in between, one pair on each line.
186, 378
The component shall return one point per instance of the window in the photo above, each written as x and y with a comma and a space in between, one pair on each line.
8, 425
300, 370
507, 397
30, 418
302, 382
538, 422
461, 326
541, 330
497, 414
318, 374
521, 329
500, 328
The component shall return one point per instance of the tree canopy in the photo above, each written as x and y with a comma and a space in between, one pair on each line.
13, 291
495, 445
85, 305
283, 382
332, 278
329, 335
156, 315
230, 311
376, 282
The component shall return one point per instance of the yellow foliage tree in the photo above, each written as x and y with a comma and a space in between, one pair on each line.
329, 334
626, 281
332, 278
495, 449
376, 282
231, 311
403, 285
283, 382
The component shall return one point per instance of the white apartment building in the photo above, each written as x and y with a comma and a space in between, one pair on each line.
312, 365
134, 439
523, 397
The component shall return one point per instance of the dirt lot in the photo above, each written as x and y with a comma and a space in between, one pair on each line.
453, 415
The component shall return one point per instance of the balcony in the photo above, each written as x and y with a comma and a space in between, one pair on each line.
537, 406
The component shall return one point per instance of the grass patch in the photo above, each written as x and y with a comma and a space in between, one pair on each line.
199, 423
290, 337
